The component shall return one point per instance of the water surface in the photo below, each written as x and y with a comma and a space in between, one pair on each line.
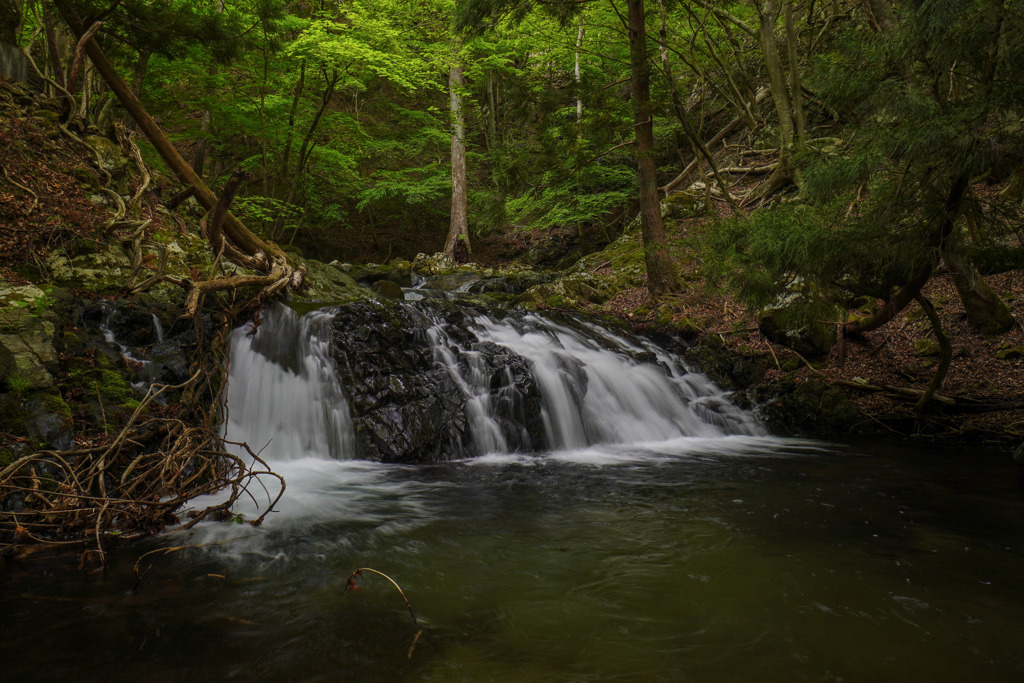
735, 558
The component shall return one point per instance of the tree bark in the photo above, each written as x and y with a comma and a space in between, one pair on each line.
51, 45
986, 312
458, 230
780, 95
795, 87
661, 274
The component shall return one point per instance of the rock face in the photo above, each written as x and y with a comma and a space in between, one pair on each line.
28, 345
408, 405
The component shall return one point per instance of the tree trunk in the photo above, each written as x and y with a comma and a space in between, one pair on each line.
879, 14
458, 230
986, 312
795, 88
661, 274
945, 355
239, 235
579, 76
912, 289
780, 95
699, 148
51, 45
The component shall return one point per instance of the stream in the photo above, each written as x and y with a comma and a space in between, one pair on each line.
657, 533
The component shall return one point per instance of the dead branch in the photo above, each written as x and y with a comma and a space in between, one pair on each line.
750, 169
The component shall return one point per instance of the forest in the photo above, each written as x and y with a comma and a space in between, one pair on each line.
236, 234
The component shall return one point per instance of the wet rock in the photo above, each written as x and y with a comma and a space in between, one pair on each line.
512, 283
50, 422
730, 371
406, 406
388, 289
810, 408
395, 389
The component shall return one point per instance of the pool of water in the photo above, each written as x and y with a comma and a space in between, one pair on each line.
736, 558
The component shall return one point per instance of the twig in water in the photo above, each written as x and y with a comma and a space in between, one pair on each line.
351, 583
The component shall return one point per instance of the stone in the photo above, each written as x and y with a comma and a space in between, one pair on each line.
111, 158
1010, 353
813, 340
388, 289
50, 422
810, 408
927, 347
325, 283
28, 344
397, 391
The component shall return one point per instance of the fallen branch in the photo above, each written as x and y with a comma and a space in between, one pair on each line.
351, 584
750, 169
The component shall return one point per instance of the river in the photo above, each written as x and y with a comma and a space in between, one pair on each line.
721, 556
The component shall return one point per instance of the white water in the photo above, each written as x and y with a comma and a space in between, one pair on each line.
284, 397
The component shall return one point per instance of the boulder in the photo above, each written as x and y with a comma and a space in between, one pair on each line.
787, 322
398, 392
28, 343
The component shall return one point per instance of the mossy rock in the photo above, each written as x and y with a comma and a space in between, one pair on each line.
729, 370
683, 205
1010, 353
103, 377
388, 289
811, 408
325, 283
927, 347
367, 274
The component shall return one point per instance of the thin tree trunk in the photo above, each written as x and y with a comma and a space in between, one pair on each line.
51, 45
945, 354
695, 141
795, 89
985, 310
241, 236
661, 274
780, 94
458, 230
579, 75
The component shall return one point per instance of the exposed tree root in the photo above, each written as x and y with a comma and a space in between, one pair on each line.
132, 484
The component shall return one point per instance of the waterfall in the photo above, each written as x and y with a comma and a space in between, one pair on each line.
518, 383
283, 393
596, 387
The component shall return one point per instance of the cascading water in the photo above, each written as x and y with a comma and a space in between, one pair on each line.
521, 383
594, 390
283, 393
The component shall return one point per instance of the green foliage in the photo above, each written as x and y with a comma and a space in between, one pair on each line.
924, 106
18, 385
